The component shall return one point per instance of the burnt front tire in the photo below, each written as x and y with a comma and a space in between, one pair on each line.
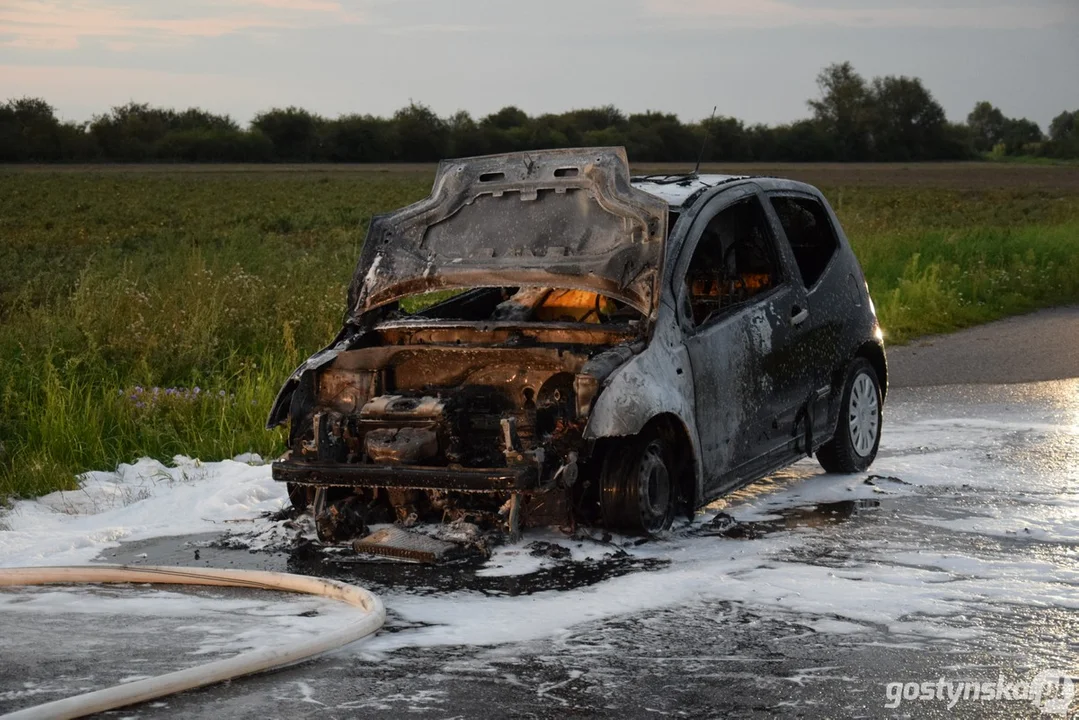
638, 493
857, 434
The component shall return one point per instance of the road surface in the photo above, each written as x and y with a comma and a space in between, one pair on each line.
805, 595
1028, 348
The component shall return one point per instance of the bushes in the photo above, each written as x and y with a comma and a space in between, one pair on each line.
292, 131
29, 131
137, 133
215, 145
888, 119
1063, 136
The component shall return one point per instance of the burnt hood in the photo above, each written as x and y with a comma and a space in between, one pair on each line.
557, 218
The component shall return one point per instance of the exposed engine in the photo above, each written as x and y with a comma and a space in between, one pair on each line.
466, 415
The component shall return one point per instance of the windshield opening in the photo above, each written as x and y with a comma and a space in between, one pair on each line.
416, 304
522, 305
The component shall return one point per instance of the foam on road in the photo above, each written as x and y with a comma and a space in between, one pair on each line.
964, 533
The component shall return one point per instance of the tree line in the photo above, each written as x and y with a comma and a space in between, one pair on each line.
890, 118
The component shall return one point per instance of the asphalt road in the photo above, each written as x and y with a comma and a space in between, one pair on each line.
954, 561
1040, 346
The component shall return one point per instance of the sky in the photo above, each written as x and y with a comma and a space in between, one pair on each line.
755, 59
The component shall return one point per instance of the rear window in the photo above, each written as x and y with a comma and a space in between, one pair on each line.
810, 234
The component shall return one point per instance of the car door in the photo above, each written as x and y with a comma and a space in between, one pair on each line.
742, 317
808, 232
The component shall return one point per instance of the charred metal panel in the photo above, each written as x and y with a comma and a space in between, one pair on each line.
395, 407
565, 218
282, 405
417, 367
401, 446
679, 191
724, 381
658, 381
347, 391
428, 332
405, 476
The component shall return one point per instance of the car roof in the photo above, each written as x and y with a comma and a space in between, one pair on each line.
679, 191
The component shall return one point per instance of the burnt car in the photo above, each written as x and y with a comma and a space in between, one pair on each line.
606, 349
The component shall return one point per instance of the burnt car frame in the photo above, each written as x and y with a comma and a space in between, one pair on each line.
620, 351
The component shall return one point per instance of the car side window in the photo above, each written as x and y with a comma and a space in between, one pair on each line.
810, 233
735, 261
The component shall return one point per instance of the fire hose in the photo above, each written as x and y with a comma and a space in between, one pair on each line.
247, 663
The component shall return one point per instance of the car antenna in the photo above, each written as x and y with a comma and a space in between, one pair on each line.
666, 179
704, 144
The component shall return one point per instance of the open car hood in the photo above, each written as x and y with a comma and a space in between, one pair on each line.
555, 218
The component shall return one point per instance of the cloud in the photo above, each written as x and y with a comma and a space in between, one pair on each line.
432, 29
64, 24
785, 13
96, 88
303, 5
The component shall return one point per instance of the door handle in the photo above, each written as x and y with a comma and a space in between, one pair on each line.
799, 316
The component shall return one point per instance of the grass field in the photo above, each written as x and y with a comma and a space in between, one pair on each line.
156, 310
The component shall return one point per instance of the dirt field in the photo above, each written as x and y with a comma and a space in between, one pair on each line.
964, 175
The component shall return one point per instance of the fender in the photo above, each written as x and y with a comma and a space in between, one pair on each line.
279, 411
659, 381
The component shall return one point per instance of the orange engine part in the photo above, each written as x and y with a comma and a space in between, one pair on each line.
574, 306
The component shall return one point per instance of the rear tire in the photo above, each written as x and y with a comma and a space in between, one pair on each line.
638, 490
857, 434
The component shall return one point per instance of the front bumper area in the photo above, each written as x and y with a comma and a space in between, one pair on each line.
405, 477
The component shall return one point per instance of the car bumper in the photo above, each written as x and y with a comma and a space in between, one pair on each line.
410, 477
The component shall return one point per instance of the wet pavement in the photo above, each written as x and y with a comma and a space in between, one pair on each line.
804, 595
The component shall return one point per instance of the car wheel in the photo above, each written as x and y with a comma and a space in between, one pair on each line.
857, 434
638, 494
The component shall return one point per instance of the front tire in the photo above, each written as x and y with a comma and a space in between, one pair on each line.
857, 434
638, 490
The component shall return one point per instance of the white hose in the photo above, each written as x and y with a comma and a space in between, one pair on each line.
244, 664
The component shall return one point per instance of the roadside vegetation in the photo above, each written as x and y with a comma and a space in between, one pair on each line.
157, 312
889, 118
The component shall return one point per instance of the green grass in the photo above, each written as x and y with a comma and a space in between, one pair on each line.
940, 280
118, 282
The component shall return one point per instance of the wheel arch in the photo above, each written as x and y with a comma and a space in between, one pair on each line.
837, 454
874, 353
651, 390
615, 456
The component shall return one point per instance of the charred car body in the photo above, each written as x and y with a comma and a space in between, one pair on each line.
618, 351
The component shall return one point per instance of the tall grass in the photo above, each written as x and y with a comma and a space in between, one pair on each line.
941, 280
68, 421
122, 293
